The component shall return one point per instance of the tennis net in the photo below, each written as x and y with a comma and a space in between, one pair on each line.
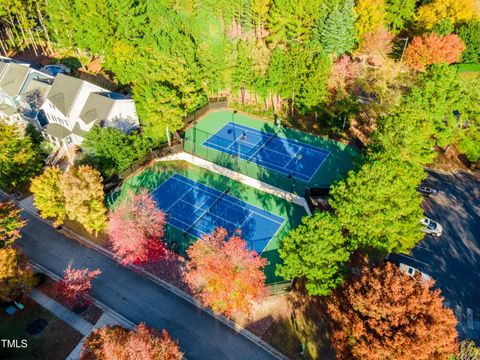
225, 192
270, 138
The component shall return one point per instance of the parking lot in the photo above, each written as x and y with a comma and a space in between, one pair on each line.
453, 259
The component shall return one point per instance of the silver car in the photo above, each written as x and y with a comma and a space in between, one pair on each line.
431, 227
427, 191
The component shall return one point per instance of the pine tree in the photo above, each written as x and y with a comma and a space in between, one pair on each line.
336, 33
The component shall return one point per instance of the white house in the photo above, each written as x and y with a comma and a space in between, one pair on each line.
21, 89
73, 106
64, 108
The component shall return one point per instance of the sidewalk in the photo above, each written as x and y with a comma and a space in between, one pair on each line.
60, 311
109, 317
105, 319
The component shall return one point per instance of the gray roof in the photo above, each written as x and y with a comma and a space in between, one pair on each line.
64, 91
57, 130
77, 131
36, 85
7, 109
97, 107
3, 66
12, 79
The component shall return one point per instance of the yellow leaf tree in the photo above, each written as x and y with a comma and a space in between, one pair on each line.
370, 15
15, 274
82, 188
455, 10
49, 199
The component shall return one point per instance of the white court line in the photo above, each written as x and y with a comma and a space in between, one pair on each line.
226, 199
189, 226
208, 212
265, 163
293, 157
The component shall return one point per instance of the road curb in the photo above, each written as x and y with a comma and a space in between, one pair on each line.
231, 324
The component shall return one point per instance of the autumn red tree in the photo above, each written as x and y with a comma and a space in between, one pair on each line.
136, 228
118, 343
74, 289
224, 274
10, 223
433, 48
386, 314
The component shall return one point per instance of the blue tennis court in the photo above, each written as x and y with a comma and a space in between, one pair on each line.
286, 156
197, 209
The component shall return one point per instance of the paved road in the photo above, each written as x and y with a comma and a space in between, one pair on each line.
200, 335
453, 259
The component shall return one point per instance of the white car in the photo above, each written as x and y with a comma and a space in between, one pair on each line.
431, 227
410, 271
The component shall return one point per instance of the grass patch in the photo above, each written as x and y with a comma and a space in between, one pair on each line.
55, 342
77, 228
465, 68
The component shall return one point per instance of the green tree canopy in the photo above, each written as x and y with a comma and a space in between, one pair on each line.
317, 251
399, 13
470, 34
336, 33
378, 205
112, 151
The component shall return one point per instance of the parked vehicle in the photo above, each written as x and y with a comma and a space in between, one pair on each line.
411, 271
431, 227
427, 191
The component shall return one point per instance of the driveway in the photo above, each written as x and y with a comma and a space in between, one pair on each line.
199, 334
453, 260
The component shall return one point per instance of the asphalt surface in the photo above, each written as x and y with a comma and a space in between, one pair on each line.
453, 259
199, 334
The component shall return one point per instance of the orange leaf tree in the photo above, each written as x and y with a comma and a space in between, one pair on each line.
385, 314
116, 342
433, 48
224, 274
